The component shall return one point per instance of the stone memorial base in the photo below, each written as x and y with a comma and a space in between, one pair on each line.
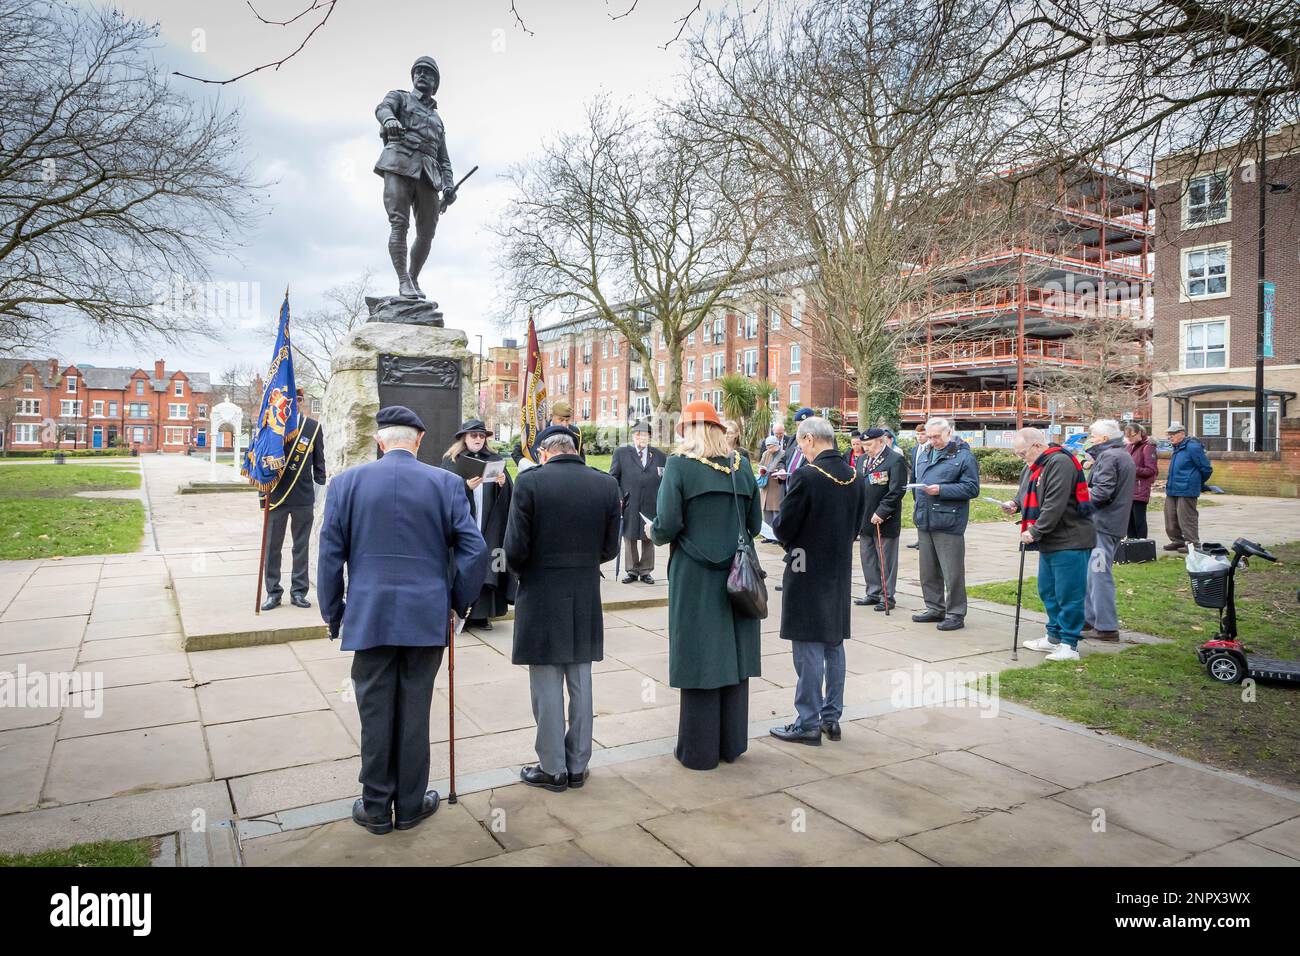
403, 311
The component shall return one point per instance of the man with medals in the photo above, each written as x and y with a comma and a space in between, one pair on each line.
291, 504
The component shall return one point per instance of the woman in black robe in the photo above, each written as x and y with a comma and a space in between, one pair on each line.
489, 503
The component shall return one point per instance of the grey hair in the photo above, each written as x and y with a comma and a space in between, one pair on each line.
398, 435
560, 445
1032, 436
941, 423
818, 428
1108, 427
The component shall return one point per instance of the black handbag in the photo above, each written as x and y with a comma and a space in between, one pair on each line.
745, 587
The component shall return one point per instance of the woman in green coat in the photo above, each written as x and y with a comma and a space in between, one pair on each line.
712, 653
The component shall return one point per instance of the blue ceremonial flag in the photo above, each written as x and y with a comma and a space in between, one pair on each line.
278, 417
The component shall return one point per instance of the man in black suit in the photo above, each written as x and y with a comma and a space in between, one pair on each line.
294, 498
638, 469
884, 474
563, 526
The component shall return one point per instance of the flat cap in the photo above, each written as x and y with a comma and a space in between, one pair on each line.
642, 426
398, 415
550, 431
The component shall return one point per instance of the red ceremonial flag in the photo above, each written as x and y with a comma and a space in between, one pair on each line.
532, 405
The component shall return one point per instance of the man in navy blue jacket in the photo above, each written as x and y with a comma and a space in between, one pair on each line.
1189, 470
950, 477
413, 555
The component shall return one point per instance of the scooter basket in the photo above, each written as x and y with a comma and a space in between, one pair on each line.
1210, 588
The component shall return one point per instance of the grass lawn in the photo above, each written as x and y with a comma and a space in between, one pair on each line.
1160, 694
41, 517
106, 853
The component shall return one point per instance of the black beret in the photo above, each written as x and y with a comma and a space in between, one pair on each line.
550, 431
804, 413
874, 433
855, 434
398, 415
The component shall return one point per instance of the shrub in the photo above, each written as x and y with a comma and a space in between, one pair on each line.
998, 464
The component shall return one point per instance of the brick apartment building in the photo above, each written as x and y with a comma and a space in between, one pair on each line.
497, 379
1207, 270
47, 405
596, 372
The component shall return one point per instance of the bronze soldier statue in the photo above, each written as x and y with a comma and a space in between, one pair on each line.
415, 167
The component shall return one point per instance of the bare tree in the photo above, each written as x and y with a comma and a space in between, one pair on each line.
318, 333
881, 205
635, 224
111, 183
1112, 371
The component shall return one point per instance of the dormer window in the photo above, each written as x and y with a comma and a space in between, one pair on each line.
180, 388
72, 385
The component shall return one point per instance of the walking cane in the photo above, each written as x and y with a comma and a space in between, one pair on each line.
451, 696
880, 559
1020, 588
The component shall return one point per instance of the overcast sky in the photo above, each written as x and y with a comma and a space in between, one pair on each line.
311, 131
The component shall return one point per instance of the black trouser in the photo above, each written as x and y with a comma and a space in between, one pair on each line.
1137, 520
277, 522
394, 688
714, 724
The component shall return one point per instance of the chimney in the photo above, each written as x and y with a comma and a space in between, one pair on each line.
159, 369
53, 366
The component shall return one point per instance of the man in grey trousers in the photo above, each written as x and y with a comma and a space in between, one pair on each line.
950, 478
1110, 490
563, 525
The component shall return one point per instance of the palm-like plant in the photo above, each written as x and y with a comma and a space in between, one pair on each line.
738, 397
760, 422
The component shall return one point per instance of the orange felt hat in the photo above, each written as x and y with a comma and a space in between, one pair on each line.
699, 412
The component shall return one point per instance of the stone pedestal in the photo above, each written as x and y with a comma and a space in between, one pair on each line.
352, 397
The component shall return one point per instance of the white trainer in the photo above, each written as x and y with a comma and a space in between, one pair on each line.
1063, 652
1041, 644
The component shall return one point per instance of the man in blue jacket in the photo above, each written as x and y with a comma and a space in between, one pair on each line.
413, 555
1189, 470
951, 478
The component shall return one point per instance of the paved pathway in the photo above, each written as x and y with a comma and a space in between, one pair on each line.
268, 736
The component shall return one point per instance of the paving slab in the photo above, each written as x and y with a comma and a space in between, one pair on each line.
884, 854
879, 805
262, 793
948, 728
273, 743
128, 708
615, 730
216, 611
1239, 853
121, 818
448, 838
121, 647
130, 761
269, 695
243, 662
771, 830
58, 660
567, 854
1063, 757
1041, 832
51, 574
617, 692
859, 748
624, 642
126, 671
150, 608
24, 755
974, 783
1283, 838
627, 846
21, 637
1182, 807
508, 748
144, 626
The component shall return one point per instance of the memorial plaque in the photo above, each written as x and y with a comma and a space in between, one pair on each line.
430, 387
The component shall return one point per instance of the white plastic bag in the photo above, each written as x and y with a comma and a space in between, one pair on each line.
1200, 561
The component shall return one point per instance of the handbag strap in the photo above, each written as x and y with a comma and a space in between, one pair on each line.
742, 540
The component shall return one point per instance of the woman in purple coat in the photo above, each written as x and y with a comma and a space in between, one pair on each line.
1144, 457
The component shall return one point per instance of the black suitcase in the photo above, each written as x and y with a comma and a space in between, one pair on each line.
1135, 551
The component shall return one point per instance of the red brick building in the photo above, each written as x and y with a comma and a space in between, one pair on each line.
46, 405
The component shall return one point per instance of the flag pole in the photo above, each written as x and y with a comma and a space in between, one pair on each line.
451, 702
261, 561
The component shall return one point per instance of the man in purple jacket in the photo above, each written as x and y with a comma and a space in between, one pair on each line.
413, 555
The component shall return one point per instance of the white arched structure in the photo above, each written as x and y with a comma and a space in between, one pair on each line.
224, 413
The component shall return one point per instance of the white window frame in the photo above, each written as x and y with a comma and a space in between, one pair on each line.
751, 362
169, 432
796, 360
751, 325
604, 379
1226, 176
131, 414
690, 370
171, 411
73, 412
32, 429
71, 385
795, 393
139, 386
112, 409
660, 379
719, 364
97, 408
774, 321
613, 384
1184, 290
690, 338
796, 316
29, 383
179, 389
29, 406
690, 396
1185, 325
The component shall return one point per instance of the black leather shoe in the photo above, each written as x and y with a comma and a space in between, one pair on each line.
951, 624
647, 579
831, 729
479, 624
778, 588
576, 780
270, 604
880, 606
927, 617
537, 777
915, 545
792, 734
428, 807
299, 601
377, 825
630, 579
866, 601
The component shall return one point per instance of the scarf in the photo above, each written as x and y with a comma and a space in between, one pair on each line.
1031, 506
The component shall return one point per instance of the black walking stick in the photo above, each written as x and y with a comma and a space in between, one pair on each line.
880, 559
618, 558
451, 707
1020, 588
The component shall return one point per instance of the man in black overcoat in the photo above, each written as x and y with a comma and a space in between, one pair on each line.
294, 498
819, 517
563, 525
883, 472
638, 468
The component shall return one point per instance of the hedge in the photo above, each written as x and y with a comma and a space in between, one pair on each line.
70, 453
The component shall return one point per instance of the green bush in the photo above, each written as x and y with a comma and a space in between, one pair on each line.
998, 464
71, 453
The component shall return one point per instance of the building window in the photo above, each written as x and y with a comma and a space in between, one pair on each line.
139, 386
740, 361
1205, 272
137, 435
603, 407
180, 388
29, 406
586, 409
72, 385
690, 370
1205, 345
203, 409
180, 411
719, 364
97, 409
717, 399
27, 434
751, 325
138, 410
1207, 200
707, 372
604, 348
796, 361
613, 349
613, 383
604, 378
796, 316
29, 383
614, 406
176, 436
112, 409
719, 331
505, 392
70, 408
794, 393
774, 321
690, 338
690, 396
661, 373
751, 362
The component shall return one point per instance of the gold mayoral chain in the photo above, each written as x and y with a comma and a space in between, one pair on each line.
735, 463
830, 476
